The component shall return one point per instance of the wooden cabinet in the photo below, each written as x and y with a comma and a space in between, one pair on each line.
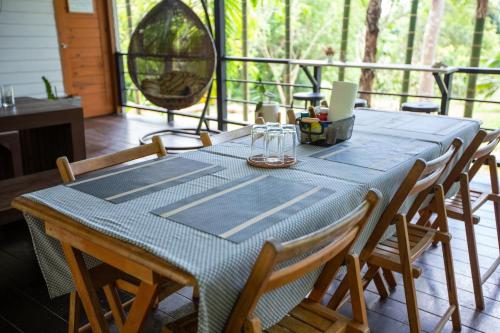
47, 129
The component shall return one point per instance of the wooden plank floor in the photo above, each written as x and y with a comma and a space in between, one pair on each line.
26, 307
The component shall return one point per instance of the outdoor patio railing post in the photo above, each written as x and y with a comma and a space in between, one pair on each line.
445, 88
120, 72
220, 73
445, 100
317, 79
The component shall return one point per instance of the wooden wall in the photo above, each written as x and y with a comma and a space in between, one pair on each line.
29, 47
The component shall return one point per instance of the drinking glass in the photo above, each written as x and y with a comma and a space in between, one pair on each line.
8, 98
289, 143
274, 146
258, 146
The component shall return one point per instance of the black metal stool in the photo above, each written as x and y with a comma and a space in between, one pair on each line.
360, 103
420, 107
311, 97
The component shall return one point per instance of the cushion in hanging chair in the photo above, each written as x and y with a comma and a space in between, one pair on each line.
171, 56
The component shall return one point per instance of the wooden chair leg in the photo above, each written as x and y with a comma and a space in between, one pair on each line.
75, 308
425, 218
140, 308
471, 241
448, 260
389, 277
380, 285
339, 297
115, 305
324, 281
196, 294
492, 163
85, 289
406, 269
356, 290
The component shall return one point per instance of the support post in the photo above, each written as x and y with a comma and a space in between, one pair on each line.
317, 79
122, 96
220, 45
445, 103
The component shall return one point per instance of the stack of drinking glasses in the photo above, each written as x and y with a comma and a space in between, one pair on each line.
273, 145
7, 98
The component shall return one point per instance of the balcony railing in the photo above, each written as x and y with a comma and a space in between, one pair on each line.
443, 81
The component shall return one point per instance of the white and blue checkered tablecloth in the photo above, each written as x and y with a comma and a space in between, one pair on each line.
221, 267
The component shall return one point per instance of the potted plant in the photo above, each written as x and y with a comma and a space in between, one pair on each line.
266, 107
329, 52
52, 93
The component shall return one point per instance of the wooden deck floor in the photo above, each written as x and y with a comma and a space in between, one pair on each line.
26, 307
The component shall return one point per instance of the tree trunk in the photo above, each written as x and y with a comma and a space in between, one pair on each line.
409, 48
429, 45
345, 36
477, 41
367, 75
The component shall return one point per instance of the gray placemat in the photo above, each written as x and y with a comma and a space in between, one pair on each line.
242, 208
133, 181
409, 122
373, 152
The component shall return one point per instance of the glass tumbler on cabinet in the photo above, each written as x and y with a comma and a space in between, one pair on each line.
8, 96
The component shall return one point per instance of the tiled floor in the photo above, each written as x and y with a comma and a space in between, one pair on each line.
26, 307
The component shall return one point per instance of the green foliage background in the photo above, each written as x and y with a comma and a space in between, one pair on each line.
316, 24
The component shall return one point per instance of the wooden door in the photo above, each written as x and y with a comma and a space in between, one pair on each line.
86, 45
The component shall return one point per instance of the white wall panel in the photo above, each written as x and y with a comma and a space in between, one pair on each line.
29, 46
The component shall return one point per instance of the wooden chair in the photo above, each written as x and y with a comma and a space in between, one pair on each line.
105, 276
291, 117
207, 140
468, 200
399, 252
68, 170
330, 247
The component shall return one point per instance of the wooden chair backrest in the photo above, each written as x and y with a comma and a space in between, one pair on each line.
291, 117
209, 140
319, 248
483, 153
464, 160
69, 171
481, 146
419, 182
260, 121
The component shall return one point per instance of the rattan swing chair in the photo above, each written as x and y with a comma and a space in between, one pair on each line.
171, 61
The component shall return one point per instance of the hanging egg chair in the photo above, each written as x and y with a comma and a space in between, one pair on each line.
171, 57
171, 61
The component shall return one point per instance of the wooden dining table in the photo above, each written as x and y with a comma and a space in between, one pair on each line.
200, 218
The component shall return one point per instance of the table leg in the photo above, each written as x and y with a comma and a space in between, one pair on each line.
143, 302
445, 104
314, 78
445, 89
85, 289
317, 79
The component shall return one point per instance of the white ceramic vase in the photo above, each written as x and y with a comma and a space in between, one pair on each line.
269, 111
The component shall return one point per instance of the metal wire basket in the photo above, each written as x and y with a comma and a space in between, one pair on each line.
325, 133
